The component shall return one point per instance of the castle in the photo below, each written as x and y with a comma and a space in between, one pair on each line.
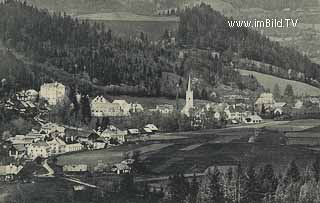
189, 100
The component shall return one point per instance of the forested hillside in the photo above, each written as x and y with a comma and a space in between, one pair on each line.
203, 27
91, 52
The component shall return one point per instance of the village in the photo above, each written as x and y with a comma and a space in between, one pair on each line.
53, 139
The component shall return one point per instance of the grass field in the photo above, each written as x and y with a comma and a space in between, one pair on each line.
296, 125
268, 82
126, 16
200, 150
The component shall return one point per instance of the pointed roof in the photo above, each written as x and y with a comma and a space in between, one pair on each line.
189, 84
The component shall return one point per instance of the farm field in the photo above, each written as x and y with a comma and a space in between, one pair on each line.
296, 125
268, 82
109, 156
199, 150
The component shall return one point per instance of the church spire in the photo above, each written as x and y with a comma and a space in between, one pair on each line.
189, 84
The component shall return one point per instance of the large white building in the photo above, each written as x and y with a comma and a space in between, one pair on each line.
101, 107
189, 100
39, 149
53, 92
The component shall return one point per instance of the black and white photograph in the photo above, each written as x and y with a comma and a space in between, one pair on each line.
159, 101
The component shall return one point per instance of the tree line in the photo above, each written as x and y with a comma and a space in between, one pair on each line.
205, 28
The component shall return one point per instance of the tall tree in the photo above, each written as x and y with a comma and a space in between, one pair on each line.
276, 91
292, 174
178, 188
211, 189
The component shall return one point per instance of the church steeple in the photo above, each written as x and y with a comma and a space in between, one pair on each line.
189, 99
189, 84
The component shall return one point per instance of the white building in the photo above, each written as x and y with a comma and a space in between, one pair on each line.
39, 149
74, 147
124, 106
236, 113
189, 100
101, 107
112, 132
165, 108
27, 95
136, 107
57, 146
75, 168
10, 170
253, 119
266, 100
53, 92
50, 128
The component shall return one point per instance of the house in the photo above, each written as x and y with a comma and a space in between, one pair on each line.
39, 149
189, 100
24, 140
74, 147
165, 108
136, 107
101, 107
298, 104
281, 109
74, 168
112, 132
99, 144
133, 132
252, 119
53, 92
152, 127
120, 168
7, 172
124, 106
52, 128
18, 151
147, 131
27, 95
236, 113
266, 101
57, 146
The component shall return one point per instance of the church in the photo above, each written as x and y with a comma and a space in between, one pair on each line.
189, 100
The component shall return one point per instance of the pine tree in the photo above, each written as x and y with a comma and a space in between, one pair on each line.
250, 187
316, 169
276, 91
292, 174
211, 189
178, 188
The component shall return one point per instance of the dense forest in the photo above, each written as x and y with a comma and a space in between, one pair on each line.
91, 52
78, 47
203, 27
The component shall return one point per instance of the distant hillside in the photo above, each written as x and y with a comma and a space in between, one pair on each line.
273, 4
268, 82
204, 28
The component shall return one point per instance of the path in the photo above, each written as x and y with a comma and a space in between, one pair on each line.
74, 180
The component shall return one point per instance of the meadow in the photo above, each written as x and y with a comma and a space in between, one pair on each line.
268, 82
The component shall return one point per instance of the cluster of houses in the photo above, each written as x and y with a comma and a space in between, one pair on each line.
50, 140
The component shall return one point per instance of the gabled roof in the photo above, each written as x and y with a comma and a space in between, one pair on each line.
133, 131
121, 102
152, 127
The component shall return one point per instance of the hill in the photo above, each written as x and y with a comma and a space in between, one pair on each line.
202, 27
268, 82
